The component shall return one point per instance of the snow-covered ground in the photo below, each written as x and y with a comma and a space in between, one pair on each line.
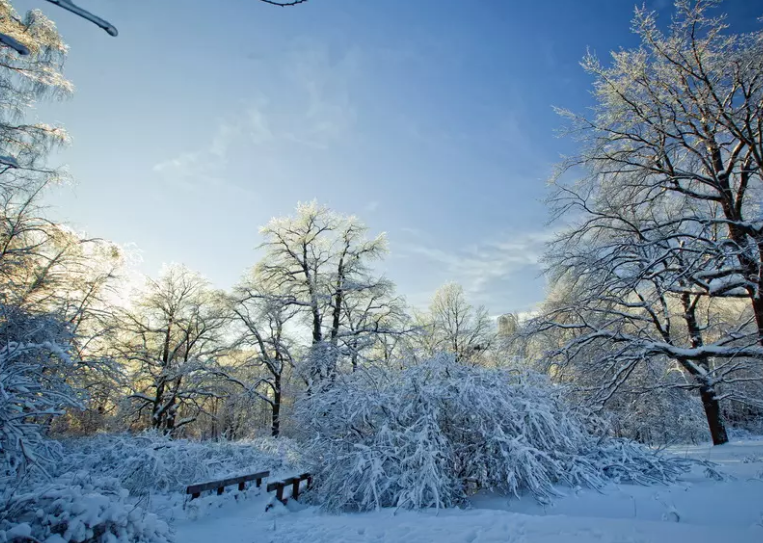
698, 509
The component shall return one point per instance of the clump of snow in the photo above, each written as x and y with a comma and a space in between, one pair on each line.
153, 463
414, 439
79, 507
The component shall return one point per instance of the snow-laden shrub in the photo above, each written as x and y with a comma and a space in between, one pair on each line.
413, 438
153, 463
34, 362
78, 507
660, 417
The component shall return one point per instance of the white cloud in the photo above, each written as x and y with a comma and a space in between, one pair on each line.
195, 170
487, 270
305, 100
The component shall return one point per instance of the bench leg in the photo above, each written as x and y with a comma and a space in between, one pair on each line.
195, 495
241, 486
279, 494
220, 490
295, 490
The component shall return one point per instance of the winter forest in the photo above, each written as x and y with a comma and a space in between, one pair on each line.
642, 362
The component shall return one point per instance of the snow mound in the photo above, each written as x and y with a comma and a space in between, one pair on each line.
79, 507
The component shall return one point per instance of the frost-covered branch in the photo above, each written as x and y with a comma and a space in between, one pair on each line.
284, 3
72, 7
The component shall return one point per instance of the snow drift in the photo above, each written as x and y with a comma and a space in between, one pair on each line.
78, 507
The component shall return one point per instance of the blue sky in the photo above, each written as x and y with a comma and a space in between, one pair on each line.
431, 120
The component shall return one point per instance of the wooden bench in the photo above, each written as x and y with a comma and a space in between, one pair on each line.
294, 482
196, 490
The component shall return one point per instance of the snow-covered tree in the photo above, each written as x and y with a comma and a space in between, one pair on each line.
9, 34
26, 79
453, 325
374, 322
666, 235
12, 27
35, 363
629, 301
48, 269
262, 317
319, 261
53, 281
169, 341
680, 117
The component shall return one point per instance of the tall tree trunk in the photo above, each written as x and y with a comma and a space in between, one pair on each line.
171, 412
159, 413
169, 420
314, 309
156, 408
317, 331
338, 300
713, 414
706, 391
275, 429
757, 308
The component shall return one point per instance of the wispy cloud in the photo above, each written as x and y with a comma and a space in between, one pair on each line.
194, 170
305, 100
489, 270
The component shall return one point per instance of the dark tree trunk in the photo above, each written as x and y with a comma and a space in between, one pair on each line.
757, 308
156, 415
159, 412
706, 392
169, 421
713, 414
275, 429
317, 332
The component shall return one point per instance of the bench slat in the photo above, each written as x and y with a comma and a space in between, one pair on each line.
212, 485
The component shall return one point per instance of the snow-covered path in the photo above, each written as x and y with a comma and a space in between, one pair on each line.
696, 510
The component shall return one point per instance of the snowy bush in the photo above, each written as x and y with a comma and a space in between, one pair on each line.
33, 364
413, 438
659, 417
153, 463
78, 507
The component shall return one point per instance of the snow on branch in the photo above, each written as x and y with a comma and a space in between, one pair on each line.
70, 6
21, 49
283, 4
9, 161
14, 44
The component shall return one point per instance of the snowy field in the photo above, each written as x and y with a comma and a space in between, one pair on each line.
698, 509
